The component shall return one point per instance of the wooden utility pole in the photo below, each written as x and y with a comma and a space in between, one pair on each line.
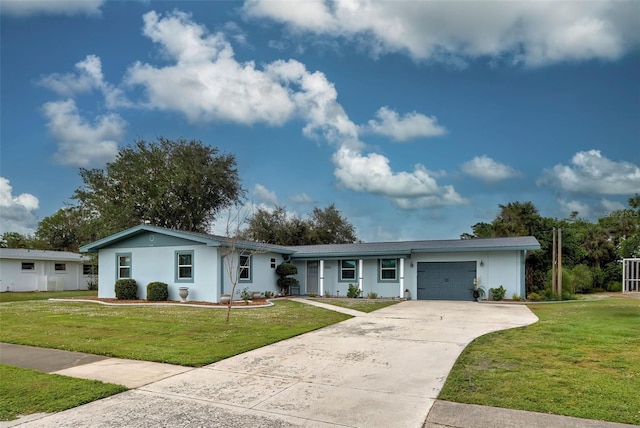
554, 283
559, 262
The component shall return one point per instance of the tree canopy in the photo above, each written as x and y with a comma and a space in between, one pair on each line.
323, 226
176, 184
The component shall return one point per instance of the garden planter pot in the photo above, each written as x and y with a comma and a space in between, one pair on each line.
183, 292
225, 299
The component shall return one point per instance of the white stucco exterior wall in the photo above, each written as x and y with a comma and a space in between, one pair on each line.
44, 277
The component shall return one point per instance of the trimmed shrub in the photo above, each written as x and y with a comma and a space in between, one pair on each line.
126, 289
497, 293
157, 292
372, 295
534, 297
353, 291
614, 286
284, 282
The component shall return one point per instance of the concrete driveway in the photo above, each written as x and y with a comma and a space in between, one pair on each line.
383, 369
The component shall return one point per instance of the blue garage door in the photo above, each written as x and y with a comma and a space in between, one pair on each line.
446, 280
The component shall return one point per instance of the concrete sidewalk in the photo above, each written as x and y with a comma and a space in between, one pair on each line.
383, 369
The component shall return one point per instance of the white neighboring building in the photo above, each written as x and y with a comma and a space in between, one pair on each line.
40, 270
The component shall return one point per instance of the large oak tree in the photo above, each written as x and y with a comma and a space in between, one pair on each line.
175, 184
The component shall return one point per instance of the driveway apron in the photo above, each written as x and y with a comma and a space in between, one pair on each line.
383, 369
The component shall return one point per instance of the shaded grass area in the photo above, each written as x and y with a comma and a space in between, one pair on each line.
12, 296
178, 335
26, 391
581, 359
362, 305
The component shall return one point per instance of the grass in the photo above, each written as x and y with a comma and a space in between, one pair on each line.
178, 335
362, 305
581, 359
26, 391
13, 296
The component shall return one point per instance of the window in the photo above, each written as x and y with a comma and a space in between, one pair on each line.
184, 266
124, 265
28, 266
388, 269
89, 269
245, 269
347, 270
59, 267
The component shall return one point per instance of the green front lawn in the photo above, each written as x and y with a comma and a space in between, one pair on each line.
26, 391
362, 305
14, 296
170, 334
581, 359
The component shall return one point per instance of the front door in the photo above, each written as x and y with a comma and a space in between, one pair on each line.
312, 277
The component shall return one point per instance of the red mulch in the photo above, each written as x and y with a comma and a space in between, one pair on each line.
253, 302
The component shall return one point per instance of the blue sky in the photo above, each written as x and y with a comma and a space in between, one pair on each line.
417, 119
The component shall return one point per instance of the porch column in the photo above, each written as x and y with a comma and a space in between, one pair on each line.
321, 276
401, 295
360, 263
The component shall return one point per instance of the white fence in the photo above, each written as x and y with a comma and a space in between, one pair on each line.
630, 275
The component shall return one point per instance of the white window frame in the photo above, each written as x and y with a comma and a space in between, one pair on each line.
119, 267
179, 278
353, 269
382, 269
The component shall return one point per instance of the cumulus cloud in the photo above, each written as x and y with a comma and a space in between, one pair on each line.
403, 128
488, 170
569, 207
264, 195
302, 198
534, 33
590, 172
206, 83
17, 212
81, 143
88, 77
371, 173
48, 7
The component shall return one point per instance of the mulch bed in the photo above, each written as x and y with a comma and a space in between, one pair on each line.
253, 302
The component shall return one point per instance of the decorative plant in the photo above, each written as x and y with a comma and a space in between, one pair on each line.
498, 293
353, 291
372, 295
126, 289
327, 294
245, 295
157, 292
268, 294
312, 294
284, 270
478, 292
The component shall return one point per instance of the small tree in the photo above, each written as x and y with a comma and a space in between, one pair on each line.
237, 257
284, 270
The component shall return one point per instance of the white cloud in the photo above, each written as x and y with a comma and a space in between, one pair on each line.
608, 206
264, 195
50, 7
371, 173
411, 125
89, 77
590, 172
206, 83
302, 198
487, 169
81, 143
535, 33
17, 212
568, 207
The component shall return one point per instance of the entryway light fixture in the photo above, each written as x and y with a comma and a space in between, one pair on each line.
481, 263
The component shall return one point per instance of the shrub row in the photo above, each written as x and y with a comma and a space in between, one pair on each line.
127, 289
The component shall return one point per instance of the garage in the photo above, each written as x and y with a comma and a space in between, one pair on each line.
446, 280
